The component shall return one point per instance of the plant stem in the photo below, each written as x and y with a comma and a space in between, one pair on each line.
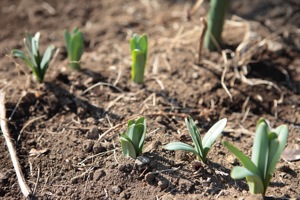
216, 19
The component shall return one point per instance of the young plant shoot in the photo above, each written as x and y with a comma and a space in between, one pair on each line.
267, 148
201, 146
132, 141
75, 45
139, 48
37, 62
216, 18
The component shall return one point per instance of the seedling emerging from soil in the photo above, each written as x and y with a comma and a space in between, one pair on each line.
201, 146
267, 148
37, 62
139, 48
132, 141
75, 45
216, 18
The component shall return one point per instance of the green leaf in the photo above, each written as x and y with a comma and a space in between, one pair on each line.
19, 54
45, 61
32, 58
260, 150
134, 43
255, 184
138, 132
245, 160
67, 37
195, 134
127, 147
35, 45
142, 121
212, 135
180, 146
138, 66
143, 44
241, 172
282, 132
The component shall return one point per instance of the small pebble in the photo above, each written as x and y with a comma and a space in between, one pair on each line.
142, 161
98, 148
116, 189
150, 178
88, 146
163, 184
93, 134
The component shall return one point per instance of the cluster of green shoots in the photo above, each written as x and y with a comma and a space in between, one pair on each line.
39, 63
133, 139
201, 147
267, 148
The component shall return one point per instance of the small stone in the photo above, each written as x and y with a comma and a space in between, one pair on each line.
91, 120
127, 168
99, 174
159, 119
150, 178
93, 134
195, 75
88, 146
107, 145
116, 189
163, 184
142, 161
98, 148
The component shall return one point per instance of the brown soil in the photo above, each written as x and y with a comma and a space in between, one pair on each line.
60, 117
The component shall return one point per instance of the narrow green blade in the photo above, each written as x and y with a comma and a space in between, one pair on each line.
127, 148
67, 37
20, 54
195, 134
260, 150
180, 146
239, 172
212, 135
245, 160
282, 132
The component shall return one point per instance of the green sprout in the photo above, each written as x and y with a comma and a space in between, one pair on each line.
139, 48
216, 18
201, 146
132, 141
75, 45
37, 62
267, 148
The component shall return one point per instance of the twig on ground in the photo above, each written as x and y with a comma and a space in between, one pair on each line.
224, 73
18, 103
37, 180
12, 151
202, 34
101, 83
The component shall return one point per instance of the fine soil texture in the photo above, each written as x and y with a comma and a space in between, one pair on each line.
66, 130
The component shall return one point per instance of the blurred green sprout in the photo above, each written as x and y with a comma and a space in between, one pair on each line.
139, 48
37, 62
267, 148
75, 44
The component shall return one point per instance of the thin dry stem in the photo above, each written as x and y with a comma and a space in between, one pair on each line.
12, 151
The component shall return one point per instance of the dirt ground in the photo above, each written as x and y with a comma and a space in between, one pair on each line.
66, 131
